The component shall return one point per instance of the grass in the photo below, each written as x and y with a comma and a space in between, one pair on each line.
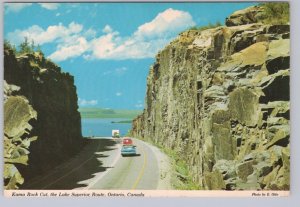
182, 180
209, 26
275, 13
108, 113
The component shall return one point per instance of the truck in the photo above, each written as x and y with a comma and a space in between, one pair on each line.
115, 133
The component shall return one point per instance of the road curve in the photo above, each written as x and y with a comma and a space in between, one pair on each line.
100, 166
134, 172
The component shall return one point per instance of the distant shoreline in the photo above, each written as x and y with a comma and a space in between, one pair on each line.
122, 122
99, 113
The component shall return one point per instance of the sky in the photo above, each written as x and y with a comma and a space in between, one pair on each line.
108, 47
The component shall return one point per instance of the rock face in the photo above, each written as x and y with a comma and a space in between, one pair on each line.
247, 16
17, 114
52, 94
220, 99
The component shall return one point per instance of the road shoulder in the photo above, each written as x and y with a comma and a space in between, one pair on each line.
165, 168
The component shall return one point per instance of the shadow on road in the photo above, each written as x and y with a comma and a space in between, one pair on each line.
136, 155
82, 167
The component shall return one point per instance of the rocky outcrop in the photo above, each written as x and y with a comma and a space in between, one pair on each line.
52, 94
17, 114
250, 15
220, 99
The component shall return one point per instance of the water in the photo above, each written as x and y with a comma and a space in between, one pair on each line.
103, 127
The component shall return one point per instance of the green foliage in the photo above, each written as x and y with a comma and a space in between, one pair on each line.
209, 26
24, 47
9, 46
275, 12
193, 28
38, 49
183, 179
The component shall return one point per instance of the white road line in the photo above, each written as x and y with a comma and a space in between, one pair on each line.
99, 177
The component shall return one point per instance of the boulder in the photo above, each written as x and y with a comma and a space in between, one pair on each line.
214, 181
246, 16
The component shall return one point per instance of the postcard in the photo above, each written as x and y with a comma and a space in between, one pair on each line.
146, 99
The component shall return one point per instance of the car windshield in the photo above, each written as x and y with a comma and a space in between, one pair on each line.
127, 146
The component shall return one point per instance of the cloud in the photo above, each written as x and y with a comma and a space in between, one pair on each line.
118, 94
103, 46
90, 33
68, 40
139, 105
145, 42
49, 6
73, 41
83, 102
107, 29
112, 46
117, 72
120, 71
41, 36
166, 23
107, 72
75, 49
15, 7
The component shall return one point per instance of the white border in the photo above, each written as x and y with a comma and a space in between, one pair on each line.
292, 201
142, 193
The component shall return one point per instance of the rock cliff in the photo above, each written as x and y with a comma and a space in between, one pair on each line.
42, 88
220, 99
17, 114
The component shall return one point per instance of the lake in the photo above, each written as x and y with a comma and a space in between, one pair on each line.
103, 127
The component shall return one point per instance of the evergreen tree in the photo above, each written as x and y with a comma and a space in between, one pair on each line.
25, 47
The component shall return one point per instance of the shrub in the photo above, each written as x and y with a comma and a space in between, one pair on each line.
209, 26
275, 13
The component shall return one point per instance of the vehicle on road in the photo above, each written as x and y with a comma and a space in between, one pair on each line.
115, 133
127, 141
128, 150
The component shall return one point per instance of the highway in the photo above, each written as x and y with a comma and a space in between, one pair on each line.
100, 166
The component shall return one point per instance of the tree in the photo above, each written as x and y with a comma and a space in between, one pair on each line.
32, 46
39, 49
25, 47
9, 46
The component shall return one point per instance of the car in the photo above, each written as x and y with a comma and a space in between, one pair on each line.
128, 150
127, 141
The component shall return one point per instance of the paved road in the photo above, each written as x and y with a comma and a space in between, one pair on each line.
136, 172
100, 166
